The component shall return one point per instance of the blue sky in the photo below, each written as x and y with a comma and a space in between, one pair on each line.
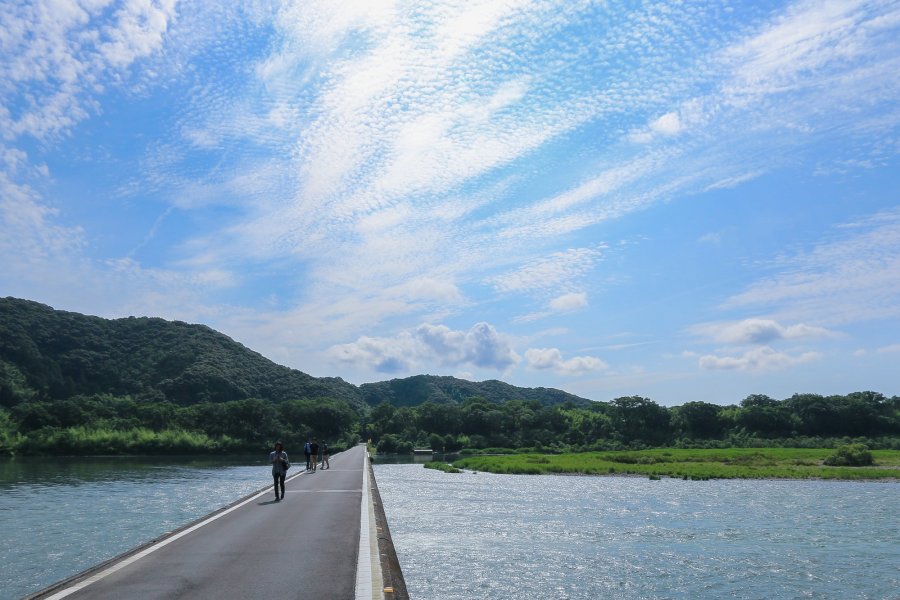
684, 201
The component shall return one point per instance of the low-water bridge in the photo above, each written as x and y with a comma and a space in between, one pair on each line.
328, 540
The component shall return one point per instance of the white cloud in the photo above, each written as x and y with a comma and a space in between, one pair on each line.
552, 359
379, 354
393, 119
761, 359
668, 124
138, 31
889, 349
733, 181
59, 56
569, 302
760, 331
710, 238
481, 346
810, 36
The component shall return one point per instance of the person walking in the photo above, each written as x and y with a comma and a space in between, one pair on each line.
325, 452
307, 450
280, 464
314, 453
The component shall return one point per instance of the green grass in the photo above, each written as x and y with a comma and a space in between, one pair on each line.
731, 463
442, 466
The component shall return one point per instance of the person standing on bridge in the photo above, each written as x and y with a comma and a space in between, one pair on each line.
279, 459
314, 453
325, 453
307, 449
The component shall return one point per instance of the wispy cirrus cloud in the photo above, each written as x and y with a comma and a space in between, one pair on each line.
383, 164
551, 272
399, 119
852, 276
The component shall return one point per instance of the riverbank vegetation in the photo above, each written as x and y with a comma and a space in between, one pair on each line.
634, 423
103, 424
731, 463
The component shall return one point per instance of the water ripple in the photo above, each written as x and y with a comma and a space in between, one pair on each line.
519, 537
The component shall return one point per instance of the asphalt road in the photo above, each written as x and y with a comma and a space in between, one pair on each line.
303, 547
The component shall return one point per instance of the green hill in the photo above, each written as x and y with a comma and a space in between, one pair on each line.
50, 354
416, 390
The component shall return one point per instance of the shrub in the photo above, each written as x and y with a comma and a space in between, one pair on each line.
850, 455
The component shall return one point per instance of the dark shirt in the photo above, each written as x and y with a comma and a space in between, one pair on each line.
314, 449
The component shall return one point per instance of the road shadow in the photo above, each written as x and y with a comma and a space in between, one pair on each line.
268, 502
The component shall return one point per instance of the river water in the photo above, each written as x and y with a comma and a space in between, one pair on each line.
492, 536
506, 537
60, 516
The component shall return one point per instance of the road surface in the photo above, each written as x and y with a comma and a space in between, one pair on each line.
305, 546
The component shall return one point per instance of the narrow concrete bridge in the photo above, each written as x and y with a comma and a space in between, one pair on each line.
327, 540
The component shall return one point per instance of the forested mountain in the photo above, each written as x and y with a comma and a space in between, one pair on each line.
419, 389
51, 354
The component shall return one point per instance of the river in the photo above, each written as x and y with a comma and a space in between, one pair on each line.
492, 536
517, 537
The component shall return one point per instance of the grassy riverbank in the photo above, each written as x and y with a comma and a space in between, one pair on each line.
732, 463
442, 466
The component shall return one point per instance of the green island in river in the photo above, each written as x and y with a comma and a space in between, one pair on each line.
728, 463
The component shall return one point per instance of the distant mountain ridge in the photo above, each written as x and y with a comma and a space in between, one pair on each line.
415, 390
53, 354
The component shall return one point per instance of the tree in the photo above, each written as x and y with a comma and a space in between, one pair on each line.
699, 420
251, 420
480, 417
390, 444
766, 417
327, 418
441, 419
641, 420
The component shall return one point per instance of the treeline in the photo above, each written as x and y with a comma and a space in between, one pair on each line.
104, 424
634, 422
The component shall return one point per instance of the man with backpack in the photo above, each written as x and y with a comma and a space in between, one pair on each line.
307, 450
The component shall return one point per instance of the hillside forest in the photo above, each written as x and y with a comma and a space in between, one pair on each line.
75, 384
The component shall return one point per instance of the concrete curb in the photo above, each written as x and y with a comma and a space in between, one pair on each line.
392, 575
